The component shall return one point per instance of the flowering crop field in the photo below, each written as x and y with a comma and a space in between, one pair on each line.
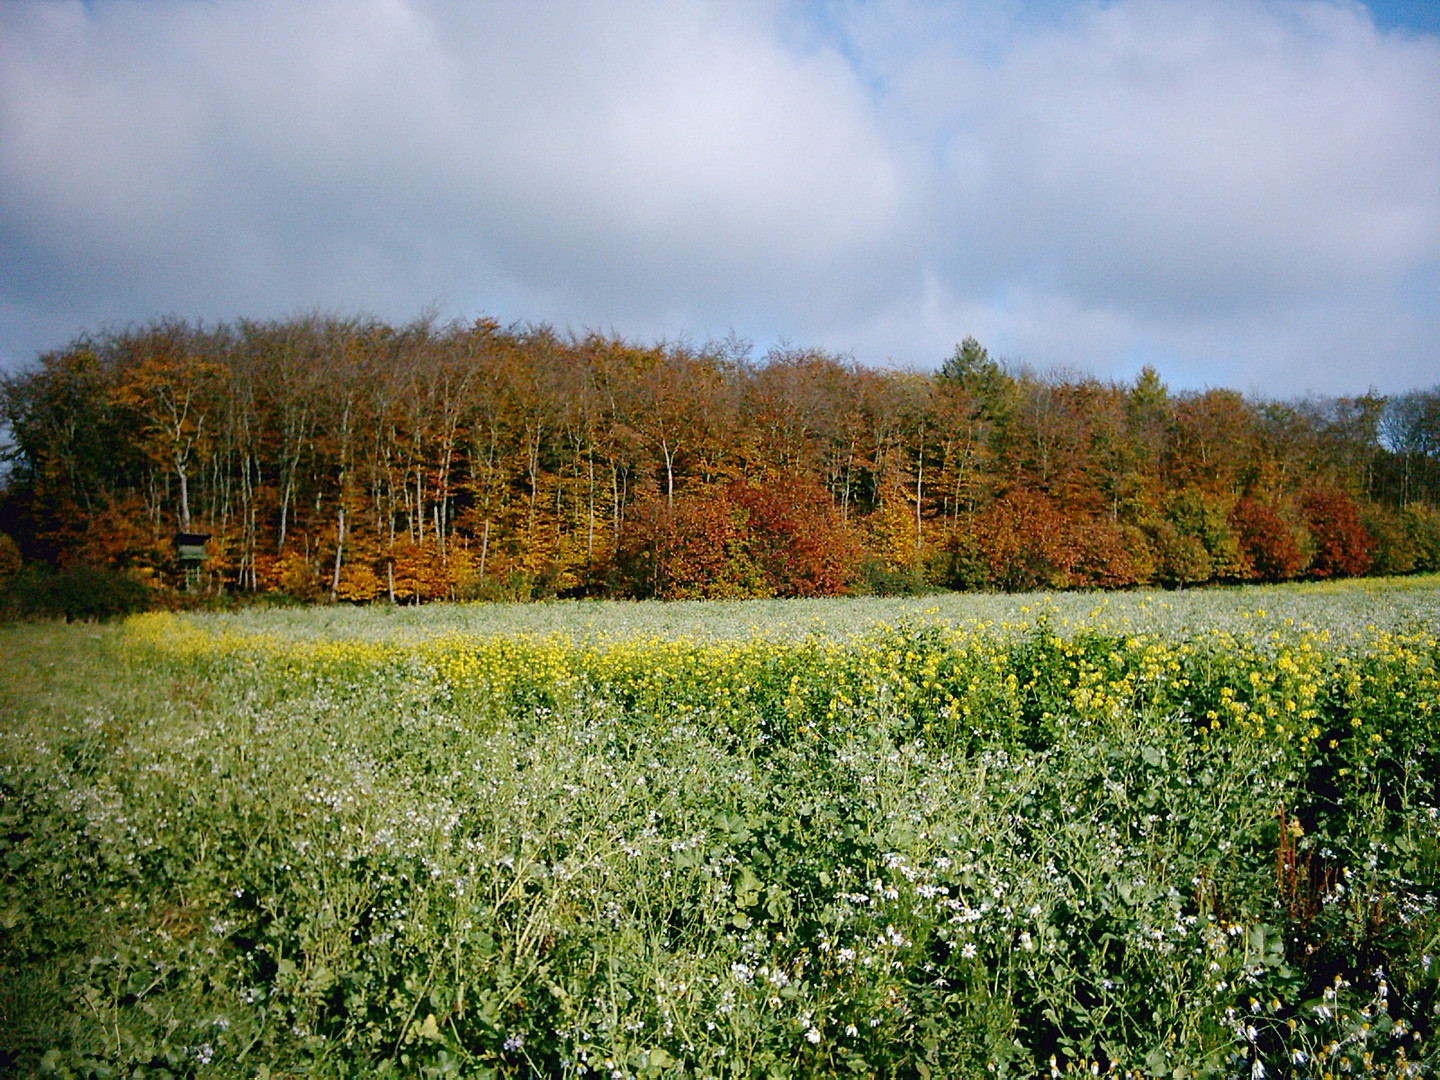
1191, 834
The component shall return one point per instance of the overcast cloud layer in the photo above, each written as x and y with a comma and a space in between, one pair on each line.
1241, 194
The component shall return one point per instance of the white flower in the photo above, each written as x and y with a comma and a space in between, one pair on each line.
813, 1035
968, 950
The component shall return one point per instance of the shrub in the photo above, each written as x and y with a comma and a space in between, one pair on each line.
1341, 544
1423, 524
1100, 555
1025, 541
10, 561
1206, 518
879, 578
781, 537
795, 537
691, 549
1267, 542
1181, 559
1020, 542
1392, 548
76, 593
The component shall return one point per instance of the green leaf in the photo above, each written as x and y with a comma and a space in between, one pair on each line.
747, 889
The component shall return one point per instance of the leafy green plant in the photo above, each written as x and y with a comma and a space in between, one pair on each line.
330, 842
76, 593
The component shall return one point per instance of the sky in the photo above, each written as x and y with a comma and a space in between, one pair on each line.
1239, 194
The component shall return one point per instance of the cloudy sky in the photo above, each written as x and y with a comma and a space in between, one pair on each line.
1240, 193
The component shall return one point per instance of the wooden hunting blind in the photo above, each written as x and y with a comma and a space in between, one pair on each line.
190, 549
190, 553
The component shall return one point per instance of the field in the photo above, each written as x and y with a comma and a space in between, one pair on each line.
1152, 834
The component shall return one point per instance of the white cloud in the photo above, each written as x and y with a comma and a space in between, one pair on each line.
1221, 154
1166, 180
1090, 185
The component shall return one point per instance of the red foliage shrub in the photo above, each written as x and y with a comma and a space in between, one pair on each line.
684, 550
1267, 541
1100, 555
1020, 542
1025, 541
780, 537
1342, 545
796, 537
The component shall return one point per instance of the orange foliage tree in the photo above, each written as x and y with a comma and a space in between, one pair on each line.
353, 460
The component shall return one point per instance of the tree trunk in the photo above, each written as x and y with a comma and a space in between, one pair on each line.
669, 472
184, 497
919, 479
339, 548
590, 510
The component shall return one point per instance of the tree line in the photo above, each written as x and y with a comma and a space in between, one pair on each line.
350, 459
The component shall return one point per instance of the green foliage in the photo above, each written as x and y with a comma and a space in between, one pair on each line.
10, 560
68, 450
1393, 548
1423, 523
1180, 558
970, 364
315, 844
1194, 540
877, 578
75, 594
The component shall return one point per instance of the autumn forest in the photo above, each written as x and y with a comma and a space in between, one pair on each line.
326, 458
